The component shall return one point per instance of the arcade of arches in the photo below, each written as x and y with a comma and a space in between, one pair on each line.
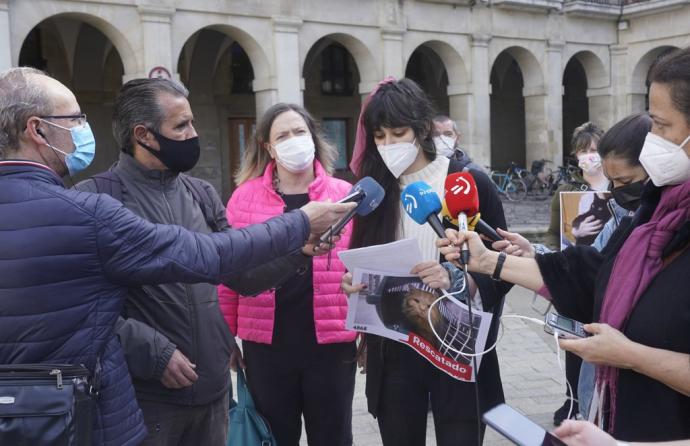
514, 100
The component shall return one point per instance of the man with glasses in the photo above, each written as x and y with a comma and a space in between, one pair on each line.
68, 258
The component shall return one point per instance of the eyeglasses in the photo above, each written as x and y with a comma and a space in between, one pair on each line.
80, 118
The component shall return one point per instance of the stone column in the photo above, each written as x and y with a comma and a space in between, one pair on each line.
5, 47
477, 139
620, 82
286, 54
265, 95
459, 109
601, 107
536, 133
156, 34
392, 53
554, 113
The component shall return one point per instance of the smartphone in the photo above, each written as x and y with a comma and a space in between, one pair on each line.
566, 327
518, 428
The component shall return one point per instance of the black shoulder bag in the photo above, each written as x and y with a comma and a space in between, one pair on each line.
47, 404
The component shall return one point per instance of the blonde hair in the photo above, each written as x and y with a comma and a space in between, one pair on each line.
256, 157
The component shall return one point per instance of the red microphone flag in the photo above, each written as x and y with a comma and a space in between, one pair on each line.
461, 194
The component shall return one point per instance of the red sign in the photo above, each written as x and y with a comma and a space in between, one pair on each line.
159, 73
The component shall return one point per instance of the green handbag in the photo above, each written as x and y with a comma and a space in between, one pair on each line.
246, 426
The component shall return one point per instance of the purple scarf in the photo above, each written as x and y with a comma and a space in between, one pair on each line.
361, 135
634, 268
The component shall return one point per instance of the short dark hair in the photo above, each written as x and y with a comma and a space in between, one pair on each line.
674, 69
137, 103
626, 138
584, 135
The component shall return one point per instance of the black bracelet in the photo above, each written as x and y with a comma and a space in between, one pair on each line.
499, 266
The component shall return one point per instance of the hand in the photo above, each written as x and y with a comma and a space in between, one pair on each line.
432, 274
179, 372
314, 247
236, 359
362, 359
451, 245
324, 215
607, 346
583, 433
514, 244
589, 226
347, 287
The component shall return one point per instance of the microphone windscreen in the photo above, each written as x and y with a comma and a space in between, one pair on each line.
461, 194
419, 201
373, 195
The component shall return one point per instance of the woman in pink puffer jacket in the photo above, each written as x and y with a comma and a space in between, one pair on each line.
299, 357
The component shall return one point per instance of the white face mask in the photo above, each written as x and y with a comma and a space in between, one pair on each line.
445, 145
590, 163
399, 156
295, 154
665, 162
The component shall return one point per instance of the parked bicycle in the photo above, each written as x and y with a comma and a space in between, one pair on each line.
537, 179
509, 183
564, 175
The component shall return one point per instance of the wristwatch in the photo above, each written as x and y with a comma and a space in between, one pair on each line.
499, 266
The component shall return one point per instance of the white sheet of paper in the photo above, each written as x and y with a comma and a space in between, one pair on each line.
395, 258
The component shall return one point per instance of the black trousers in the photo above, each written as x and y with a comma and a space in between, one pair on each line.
572, 374
174, 425
315, 382
409, 382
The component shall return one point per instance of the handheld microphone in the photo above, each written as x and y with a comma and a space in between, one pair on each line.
368, 194
423, 205
475, 223
462, 200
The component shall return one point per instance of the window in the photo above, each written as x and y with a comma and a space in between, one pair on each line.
241, 70
336, 74
335, 130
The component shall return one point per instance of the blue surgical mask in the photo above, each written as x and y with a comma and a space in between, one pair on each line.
84, 148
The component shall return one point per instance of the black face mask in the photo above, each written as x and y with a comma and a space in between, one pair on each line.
628, 196
178, 156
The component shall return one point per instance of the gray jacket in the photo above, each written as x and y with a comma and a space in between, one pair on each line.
158, 319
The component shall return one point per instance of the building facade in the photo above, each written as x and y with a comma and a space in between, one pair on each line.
517, 75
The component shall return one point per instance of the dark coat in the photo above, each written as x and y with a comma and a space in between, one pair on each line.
67, 260
577, 278
157, 319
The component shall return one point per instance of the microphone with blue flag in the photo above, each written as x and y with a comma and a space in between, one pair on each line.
423, 205
368, 194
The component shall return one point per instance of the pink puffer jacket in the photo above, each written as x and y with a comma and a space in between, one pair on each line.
252, 318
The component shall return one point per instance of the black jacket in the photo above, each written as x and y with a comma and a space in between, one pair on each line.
157, 319
646, 409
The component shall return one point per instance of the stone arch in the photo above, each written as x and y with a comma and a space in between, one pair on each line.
597, 75
639, 83
453, 62
532, 72
362, 55
57, 10
217, 63
255, 52
332, 77
518, 109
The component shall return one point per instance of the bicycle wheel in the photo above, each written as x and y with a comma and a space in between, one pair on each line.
516, 190
541, 191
